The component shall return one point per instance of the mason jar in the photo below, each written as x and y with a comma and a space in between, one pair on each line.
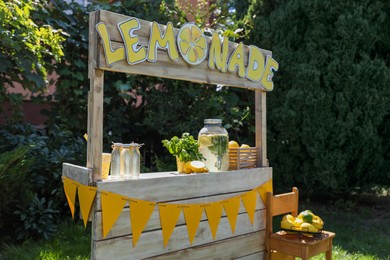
126, 161
213, 142
136, 160
116, 160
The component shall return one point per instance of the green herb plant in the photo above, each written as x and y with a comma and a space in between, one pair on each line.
185, 148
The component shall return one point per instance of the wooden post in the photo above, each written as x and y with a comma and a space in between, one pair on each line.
95, 104
261, 128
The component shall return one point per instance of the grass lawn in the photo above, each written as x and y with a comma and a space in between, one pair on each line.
361, 224
72, 241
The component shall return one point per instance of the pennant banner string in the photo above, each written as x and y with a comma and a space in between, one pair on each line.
141, 210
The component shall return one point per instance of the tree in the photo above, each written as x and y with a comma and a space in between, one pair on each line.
27, 49
329, 112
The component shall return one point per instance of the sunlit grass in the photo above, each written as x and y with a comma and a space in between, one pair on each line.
71, 242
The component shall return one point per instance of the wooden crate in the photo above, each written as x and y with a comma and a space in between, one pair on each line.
241, 158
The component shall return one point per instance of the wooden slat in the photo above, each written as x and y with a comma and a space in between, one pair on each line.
122, 226
244, 247
255, 256
151, 243
164, 66
77, 173
179, 69
169, 187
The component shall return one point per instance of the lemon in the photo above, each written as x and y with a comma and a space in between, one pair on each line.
308, 228
187, 167
307, 216
317, 222
205, 169
287, 224
233, 144
298, 222
205, 141
192, 44
245, 146
197, 166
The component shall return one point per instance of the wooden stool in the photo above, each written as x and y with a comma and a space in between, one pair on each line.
293, 245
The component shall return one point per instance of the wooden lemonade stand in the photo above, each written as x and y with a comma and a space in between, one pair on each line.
129, 45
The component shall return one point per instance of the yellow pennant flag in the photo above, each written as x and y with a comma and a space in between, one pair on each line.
112, 206
70, 188
169, 214
140, 212
232, 206
263, 189
214, 213
249, 200
86, 196
192, 214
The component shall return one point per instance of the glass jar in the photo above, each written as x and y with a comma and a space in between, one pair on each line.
126, 161
136, 160
213, 142
116, 160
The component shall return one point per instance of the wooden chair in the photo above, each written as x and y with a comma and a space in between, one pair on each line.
292, 245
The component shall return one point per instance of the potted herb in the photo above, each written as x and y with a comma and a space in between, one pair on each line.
184, 149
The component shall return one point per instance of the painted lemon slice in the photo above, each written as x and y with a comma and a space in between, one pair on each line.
192, 44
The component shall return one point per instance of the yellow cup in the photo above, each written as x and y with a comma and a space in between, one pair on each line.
106, 161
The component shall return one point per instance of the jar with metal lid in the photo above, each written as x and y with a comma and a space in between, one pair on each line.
213, 142
116, 160
126, 161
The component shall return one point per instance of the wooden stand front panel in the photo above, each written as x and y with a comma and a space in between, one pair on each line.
247, 241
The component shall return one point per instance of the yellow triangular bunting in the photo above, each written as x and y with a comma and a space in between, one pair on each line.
232, 206
86, 196
70, 188
140, 212
112, 206
263, 189
169, 214
193, 214
214, 213
249, 200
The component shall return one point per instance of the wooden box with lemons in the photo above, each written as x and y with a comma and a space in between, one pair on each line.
241, 156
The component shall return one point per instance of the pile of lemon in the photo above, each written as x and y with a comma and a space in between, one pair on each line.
234, 144
194, 167
306, 221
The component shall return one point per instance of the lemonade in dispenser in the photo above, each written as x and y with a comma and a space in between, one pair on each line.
213, 142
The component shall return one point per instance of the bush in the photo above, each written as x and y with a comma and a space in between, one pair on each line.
37, 219
35, 190
329, 112
15, 188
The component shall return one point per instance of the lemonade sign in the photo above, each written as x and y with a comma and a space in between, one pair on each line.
192, 46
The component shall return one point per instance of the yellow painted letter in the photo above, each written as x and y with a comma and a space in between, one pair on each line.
215, 55
111, 55
157, 40
255, 67
134, 54
270, 67
237, 60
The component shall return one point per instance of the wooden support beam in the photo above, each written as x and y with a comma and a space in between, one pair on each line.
261, 128
95, 104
